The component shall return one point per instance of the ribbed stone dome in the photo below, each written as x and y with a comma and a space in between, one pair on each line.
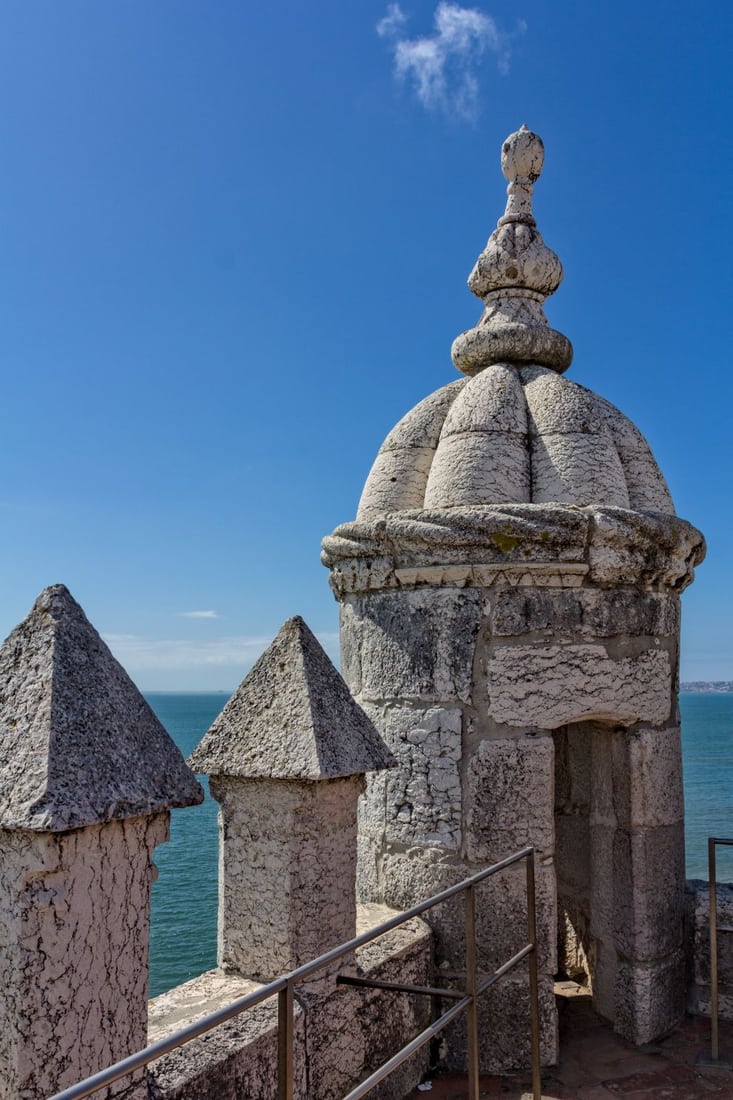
515, 431
514, 434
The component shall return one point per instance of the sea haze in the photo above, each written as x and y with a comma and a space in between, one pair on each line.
183, 924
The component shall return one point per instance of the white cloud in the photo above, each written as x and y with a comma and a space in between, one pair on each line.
198, 614
442, 66
392, 21
237, 652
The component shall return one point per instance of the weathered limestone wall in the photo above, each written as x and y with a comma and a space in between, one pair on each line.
697, 922
341, 1034
87, 777
282, 875
536, 709
67, 992
238, 1059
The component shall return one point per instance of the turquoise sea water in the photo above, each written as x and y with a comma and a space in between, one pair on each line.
183, 932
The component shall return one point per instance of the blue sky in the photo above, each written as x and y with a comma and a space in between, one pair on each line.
235, 241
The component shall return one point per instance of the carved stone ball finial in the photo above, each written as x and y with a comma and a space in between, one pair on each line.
522, 158
514, 275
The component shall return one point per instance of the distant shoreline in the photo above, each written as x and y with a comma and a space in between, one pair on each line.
694, 687
709, 687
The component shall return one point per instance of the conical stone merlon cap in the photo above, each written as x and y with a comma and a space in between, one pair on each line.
79, 745
292, 717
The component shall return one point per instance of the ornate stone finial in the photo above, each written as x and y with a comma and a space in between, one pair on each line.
514, 275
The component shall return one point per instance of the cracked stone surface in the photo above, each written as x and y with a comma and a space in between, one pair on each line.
509, 798
549, 686
78, 742
291, 717
513, 544
287, 871
417, 644
422, 795
74, 923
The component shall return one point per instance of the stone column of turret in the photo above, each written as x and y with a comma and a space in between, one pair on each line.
510, 621
286, 760
87, 776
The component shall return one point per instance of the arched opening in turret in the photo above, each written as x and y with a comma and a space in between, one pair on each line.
593, 857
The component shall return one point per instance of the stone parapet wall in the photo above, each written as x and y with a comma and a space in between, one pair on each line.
697, 945
66, 992
341, 1034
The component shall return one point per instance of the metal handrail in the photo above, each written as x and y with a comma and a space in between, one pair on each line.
283, 988
714, 929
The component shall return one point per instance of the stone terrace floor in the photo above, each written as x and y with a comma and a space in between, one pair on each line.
595, 1064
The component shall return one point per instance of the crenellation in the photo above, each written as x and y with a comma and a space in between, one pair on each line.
77, 836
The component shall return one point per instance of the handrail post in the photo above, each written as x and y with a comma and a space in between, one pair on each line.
285, 1043
471, 988
534, 1009
713, 919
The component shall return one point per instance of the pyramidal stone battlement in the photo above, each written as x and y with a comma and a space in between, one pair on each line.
79, 745
292, 717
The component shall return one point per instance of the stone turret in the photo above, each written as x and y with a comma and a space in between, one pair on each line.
510, 621
286, 760
87, 777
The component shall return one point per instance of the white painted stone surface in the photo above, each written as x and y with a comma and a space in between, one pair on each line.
549, 686
74, 920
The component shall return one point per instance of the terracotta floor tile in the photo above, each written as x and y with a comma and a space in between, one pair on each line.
596, 1064
595, 1092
